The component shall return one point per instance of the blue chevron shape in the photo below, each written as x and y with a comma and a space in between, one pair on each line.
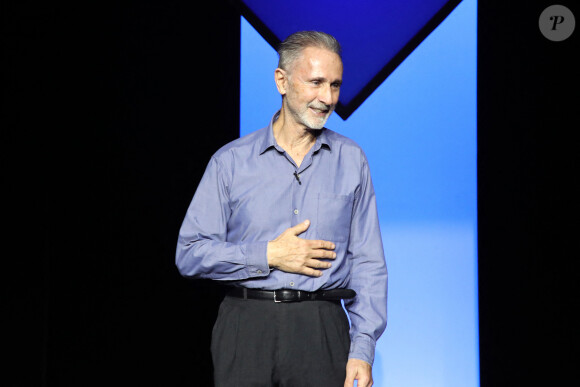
376, 35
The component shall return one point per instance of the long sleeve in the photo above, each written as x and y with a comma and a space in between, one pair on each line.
368, 277
202, 249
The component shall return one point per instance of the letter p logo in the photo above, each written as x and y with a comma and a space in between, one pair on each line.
557, 23
557, 20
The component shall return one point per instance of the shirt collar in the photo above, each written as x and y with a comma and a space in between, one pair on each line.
269, 140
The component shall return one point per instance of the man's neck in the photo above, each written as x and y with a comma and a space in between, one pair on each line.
294, 138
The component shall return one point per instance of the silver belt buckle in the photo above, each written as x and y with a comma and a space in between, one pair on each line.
275, 300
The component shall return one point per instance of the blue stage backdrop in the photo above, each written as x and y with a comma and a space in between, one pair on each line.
418, 129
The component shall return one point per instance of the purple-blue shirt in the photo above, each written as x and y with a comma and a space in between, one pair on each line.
252, 191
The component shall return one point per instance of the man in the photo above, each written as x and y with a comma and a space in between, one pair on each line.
287, 216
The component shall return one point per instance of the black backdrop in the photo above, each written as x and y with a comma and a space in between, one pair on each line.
110, 113
527, 197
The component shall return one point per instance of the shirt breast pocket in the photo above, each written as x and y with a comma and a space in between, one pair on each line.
334, 214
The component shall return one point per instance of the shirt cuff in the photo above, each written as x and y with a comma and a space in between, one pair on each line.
362, 348
256, 259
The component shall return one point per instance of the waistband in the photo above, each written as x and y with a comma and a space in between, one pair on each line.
290, 295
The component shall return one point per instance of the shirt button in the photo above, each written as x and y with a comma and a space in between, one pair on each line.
291, 283
296, 211
259, 271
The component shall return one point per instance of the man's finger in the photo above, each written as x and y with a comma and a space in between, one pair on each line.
320, 244
317, 264
349, 381
300, 227
364, 382
322, 254
311, 272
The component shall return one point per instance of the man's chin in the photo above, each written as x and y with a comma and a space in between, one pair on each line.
316, 127
317, 123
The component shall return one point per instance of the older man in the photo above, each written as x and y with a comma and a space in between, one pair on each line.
287, 217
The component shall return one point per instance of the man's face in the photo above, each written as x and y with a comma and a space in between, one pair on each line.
313, 84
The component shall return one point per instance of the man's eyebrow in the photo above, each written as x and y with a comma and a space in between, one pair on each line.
322, 79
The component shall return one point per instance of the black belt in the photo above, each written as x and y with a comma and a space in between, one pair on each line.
289, 295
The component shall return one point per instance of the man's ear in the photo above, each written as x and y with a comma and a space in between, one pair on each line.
281, 79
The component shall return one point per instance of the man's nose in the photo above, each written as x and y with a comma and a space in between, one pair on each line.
325, 94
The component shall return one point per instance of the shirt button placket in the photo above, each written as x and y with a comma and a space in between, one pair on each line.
295, 189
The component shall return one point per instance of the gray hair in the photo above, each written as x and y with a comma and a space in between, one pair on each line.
291, 48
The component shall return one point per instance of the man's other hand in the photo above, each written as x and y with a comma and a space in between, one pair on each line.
360, 371
292, 254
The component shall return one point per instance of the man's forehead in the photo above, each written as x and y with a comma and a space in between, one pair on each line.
316, 58
319, 52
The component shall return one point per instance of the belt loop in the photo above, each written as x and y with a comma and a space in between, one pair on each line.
245, 293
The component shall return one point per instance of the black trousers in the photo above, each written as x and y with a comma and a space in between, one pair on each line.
260, 343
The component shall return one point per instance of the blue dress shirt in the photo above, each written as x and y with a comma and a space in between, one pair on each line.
252, 191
